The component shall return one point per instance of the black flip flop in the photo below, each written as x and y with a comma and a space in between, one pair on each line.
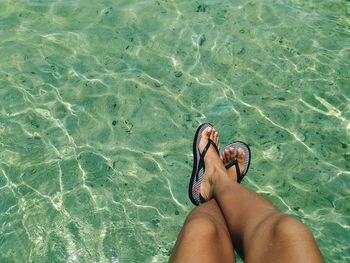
246, 149
198, 165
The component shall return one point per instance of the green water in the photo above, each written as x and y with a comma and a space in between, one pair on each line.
99, 103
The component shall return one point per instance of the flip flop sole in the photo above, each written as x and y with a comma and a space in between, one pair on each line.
194, 185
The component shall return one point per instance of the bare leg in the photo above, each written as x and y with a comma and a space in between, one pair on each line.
204, 236
259, 232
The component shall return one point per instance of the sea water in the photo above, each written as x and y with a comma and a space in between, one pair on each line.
99, 102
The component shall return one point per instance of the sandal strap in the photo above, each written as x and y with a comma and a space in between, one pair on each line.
206, 148
201, 163
238, 171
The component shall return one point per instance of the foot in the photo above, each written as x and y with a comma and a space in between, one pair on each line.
228, 156
209, 133
212, 162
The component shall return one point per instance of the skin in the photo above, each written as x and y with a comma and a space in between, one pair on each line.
235, 218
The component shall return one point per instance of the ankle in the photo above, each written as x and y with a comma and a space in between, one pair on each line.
221, 181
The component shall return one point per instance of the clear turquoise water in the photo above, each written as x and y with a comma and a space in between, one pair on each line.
99, 103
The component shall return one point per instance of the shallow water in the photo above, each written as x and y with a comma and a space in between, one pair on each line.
99, 104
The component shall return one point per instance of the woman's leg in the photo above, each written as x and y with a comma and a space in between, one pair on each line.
259, 232
204, 236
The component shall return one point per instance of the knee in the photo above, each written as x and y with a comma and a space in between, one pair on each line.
287, 227
200, 227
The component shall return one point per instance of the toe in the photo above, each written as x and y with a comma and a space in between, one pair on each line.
212, 134
232, 153
216, 138
240, 158
207, 132
240, 155
223, 156
204, 139
227, 156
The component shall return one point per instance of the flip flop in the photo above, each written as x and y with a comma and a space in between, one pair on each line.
198, 165
246, 149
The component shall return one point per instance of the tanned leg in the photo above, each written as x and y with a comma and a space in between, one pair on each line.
260, 233
204, 236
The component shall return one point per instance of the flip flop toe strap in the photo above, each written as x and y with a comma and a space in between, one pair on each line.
201, 163
238, 171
